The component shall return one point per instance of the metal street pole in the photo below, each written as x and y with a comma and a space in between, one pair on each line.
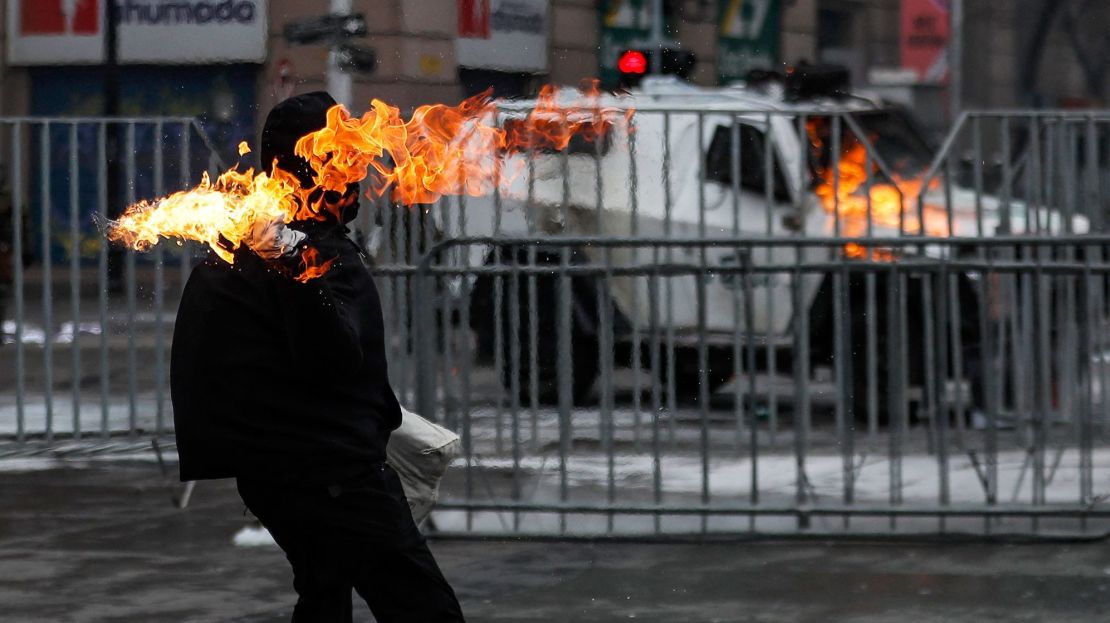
657, 36
338, 81
955, 58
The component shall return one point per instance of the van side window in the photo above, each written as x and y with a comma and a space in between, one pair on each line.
753, 176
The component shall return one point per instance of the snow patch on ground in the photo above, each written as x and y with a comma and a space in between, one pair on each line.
253, 536
28, 464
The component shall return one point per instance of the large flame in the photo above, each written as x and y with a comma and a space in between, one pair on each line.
439, 150
844, 191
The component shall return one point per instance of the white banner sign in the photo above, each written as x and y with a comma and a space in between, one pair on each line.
62, 32
517, 36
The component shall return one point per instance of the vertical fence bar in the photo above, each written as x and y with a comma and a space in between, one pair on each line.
102, 274
424, 286
941, 398
159, 294
871, 312
447, 314
801, 388
75, 278
467, 419
565, 378
499, 350
772, 353
668, 284
533, 348
514, 378
47, 279
655, 353
703, 388
185, 170
637, 283
1042, 365
895, 374
17, 276
702, 352
753, 429
132, 294
1086, 429
1091, 179
608, 442
842, 333
733, 279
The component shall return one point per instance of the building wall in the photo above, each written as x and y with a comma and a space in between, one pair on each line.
13, 83
799, 31
414, 42
573, 40
993, 71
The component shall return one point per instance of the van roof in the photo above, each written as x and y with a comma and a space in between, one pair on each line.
670, 93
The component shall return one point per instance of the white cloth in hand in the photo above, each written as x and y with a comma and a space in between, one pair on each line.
420, 452
273, 239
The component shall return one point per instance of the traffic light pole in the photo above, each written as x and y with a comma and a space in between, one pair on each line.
657, 35
338, 81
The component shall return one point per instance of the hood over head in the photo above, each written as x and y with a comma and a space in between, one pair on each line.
285, 125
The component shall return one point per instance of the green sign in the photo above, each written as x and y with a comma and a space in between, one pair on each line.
747, 37
625, 24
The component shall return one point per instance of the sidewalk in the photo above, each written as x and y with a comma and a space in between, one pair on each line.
104, 543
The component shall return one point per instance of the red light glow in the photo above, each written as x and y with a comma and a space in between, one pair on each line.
632, 62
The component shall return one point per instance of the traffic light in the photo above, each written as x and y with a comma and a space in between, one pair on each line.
635, 64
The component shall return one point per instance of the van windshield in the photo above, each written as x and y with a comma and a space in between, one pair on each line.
892, 134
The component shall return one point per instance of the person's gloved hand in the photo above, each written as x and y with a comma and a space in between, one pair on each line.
273, 240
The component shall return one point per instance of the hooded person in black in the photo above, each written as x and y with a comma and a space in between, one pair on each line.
284, 386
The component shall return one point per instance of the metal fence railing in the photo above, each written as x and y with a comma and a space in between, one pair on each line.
713, 319
610, 387
86, 327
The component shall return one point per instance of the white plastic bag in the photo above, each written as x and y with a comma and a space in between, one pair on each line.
420, 452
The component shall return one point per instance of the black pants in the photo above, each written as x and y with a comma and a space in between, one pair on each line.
357, 534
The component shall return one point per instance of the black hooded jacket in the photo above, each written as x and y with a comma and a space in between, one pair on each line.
275, 379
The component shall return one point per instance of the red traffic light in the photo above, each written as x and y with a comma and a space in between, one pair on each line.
632, 62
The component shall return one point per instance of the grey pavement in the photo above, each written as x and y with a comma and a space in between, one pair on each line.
103, 542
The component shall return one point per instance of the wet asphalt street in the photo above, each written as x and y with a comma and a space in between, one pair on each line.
105, 543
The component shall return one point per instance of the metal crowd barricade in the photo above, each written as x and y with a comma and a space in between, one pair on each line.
711, 295
86, 327
525, 266
957, 451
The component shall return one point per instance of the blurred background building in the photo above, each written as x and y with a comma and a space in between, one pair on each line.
228, 61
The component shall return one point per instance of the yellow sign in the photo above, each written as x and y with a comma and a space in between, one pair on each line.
431, 65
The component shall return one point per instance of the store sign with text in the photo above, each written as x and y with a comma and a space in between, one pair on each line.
509, 35
63, 32
924, 38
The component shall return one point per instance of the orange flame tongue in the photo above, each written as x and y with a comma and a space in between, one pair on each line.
844, 192
441, 150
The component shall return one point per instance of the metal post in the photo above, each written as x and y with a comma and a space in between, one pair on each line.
338, 81
955, 58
